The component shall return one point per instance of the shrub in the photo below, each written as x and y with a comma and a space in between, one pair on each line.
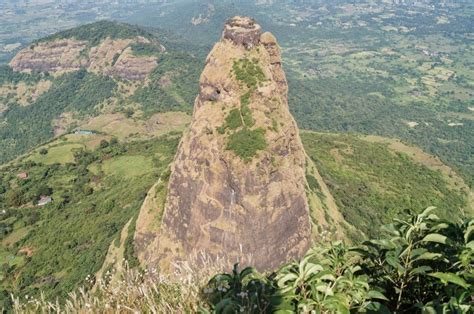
104, 144
13, 198
248, 72
423, 264
233, 120
245, 143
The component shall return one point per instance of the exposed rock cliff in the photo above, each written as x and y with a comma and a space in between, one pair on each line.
112, 57
237, 187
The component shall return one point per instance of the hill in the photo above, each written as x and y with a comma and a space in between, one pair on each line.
241, 159
94, 193
375, 180
60, 82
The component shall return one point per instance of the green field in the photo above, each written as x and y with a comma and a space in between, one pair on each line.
128, 166
57, 154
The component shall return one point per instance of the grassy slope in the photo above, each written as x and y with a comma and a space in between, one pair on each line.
373, 184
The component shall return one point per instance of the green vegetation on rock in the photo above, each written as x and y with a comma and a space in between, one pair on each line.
233, 119
248, 72
246, 143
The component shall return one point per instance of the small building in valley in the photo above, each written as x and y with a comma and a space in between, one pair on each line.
22, 175
84, 132
44, 200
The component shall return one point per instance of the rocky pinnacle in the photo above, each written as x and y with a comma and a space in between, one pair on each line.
237, 186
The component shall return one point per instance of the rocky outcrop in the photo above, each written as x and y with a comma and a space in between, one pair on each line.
112, 57
221, 200
63, 55
243, 31
131, 67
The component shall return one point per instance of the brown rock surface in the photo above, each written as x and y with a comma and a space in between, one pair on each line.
252, 211
112, 57
63, 55
243, 31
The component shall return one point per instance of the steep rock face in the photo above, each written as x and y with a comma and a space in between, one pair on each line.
112, 57
237, 187
62, 55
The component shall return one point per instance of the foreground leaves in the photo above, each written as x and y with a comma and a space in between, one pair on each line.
422, 265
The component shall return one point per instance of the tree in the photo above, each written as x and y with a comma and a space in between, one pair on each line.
13, 198
104, 144
114, 141
44, 190
88, 190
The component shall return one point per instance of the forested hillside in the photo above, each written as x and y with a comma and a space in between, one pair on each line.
94, 191
373, 182
36, 106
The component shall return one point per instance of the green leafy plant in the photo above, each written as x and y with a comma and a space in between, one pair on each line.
327, 280
424, 263
421, 265
244, 291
